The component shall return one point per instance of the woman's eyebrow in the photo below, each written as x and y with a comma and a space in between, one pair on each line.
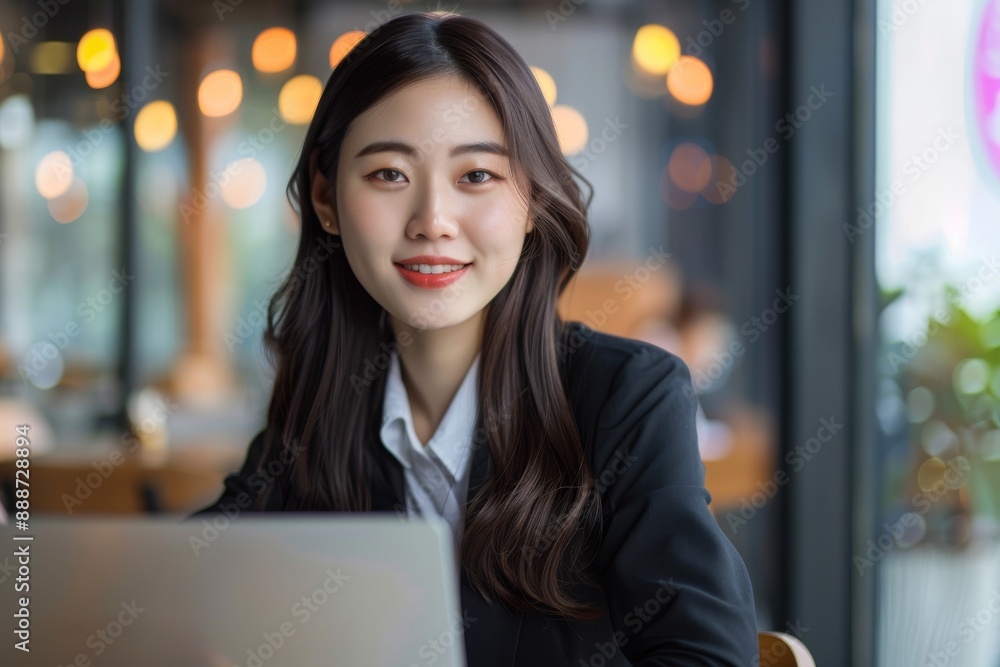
401, 147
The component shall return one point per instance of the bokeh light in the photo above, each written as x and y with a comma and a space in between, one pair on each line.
70, 205
689, 167
54, 174
95, 50
655, 49
571, 129
274, 50
971, 376
546, 83
155, 126
690, 81
52, 58
343, 45
107, 76
6, 62
720, 188
298, 99
46, 364
936, 438
246, 184
220, 93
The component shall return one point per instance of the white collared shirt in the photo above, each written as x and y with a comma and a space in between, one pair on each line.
440, 470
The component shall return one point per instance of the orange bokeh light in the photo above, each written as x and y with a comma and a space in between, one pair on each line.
220, 93
690, 167
690, 81
274, 50
720, 188
107, 76
343, 45
571, 129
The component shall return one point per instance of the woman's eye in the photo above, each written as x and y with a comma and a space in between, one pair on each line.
391, 173
395, 176
482, 176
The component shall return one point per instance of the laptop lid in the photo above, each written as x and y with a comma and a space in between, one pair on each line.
336, 589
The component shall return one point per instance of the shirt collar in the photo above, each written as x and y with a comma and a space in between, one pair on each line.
454, 434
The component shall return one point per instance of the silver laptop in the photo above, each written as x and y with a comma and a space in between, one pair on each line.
342, 590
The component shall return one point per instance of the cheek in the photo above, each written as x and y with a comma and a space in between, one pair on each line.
365, 219
499, 240
502, 221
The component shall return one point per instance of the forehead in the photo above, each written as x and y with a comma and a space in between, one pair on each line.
430, 113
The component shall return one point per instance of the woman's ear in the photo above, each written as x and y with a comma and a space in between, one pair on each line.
321, 196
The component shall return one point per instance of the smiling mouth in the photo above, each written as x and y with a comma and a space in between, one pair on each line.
433, 269
429, 280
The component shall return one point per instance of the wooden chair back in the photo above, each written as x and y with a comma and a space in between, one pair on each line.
779, 649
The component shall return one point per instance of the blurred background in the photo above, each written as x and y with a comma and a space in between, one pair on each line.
801, 199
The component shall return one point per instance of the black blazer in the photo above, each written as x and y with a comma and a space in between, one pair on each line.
675, 589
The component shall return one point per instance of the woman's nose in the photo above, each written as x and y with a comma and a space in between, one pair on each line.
433, 214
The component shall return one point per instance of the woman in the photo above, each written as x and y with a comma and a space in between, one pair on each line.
421, 367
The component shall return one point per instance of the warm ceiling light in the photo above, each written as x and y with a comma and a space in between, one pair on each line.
54, 174
690, 81
546, 83
155, 126
655, 48
95, 50
106, 76
690, 167
273, 50
298, 99
220, 93
71, 204
571, 129
343, 45
246, 185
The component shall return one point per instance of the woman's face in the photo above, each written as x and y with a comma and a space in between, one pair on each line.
422, 173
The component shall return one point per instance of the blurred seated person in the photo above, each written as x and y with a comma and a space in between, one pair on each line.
700, 333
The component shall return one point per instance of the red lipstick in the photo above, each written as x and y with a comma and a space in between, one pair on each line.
431, 280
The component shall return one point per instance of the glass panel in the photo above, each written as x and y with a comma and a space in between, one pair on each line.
936, 215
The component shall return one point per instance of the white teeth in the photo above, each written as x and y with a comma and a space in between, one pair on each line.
434, 268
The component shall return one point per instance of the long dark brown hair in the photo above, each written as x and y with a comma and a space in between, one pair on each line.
324, 330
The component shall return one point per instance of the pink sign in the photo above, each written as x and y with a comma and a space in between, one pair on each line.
986, 83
